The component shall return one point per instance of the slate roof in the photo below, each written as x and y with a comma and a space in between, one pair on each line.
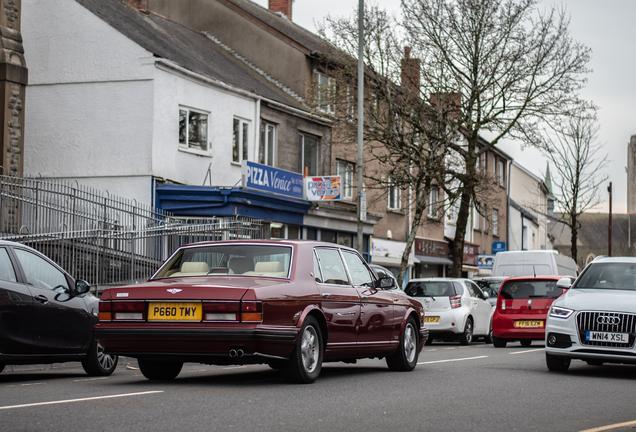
311, 42
593, 235
187, 48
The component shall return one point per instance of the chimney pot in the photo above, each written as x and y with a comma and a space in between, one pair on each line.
142, 5
281, 6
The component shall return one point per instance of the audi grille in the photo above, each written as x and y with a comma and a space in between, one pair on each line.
606, 322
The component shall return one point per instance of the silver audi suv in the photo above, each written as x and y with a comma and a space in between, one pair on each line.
595, 320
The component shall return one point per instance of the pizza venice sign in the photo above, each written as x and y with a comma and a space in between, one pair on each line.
322, 188
270, 179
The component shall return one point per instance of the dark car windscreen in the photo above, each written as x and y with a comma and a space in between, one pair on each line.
535, 289
608, 276
430, 289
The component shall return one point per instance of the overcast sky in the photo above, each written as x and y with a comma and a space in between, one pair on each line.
607, 27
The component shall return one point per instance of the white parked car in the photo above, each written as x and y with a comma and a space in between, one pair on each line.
456, 309
595, 320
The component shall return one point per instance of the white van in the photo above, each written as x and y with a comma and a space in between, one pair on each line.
536, 262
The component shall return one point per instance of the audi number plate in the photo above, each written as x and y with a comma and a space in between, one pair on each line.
172, 311
594, 336
529, 324
431, 319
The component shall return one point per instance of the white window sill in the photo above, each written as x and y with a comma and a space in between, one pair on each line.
195, 152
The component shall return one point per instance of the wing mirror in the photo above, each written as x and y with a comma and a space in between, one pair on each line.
564, 283
486, 295
81, 287
385, 283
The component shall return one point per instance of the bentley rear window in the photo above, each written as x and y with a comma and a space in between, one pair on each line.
245, 259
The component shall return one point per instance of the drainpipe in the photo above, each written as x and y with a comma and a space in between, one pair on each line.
508, 208
257, 130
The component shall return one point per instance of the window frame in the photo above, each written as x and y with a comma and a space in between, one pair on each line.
394, 194
265, 147
433, 202
186, 147
350, 103
243, 140
495, 222
325, 92
476, 217
502, 173
301, 156
346, 184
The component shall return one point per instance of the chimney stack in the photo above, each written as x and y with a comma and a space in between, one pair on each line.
283, 7
142, 5
450, 103
410, 71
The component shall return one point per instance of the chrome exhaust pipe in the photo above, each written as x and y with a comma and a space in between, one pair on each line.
240, 352
233, 353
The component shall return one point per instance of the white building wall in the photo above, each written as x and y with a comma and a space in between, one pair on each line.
526, 190
101, 111
89, 102
173, 90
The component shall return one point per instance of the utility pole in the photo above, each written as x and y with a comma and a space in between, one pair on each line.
609, 235
362, 199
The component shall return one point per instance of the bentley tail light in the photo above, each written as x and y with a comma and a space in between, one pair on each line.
456, 301
105, 311
221, 311
251, 311
129, 310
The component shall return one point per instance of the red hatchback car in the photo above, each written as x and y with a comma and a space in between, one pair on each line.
522, 307
291, 304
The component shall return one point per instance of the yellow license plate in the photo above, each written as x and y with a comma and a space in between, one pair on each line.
535, 324
431, 319
171, 311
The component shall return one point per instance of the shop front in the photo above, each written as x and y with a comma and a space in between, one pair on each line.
470, 264
388, 254
275, 197
433, 258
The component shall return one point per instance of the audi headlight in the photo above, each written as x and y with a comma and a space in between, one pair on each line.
560, 312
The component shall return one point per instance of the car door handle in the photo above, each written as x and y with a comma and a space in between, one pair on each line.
326, 295
42, 299
364, 297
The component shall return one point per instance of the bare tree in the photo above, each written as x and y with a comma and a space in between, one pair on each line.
577, 157
508, 67
404, 138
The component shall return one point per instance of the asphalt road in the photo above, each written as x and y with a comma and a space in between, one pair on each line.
453, 388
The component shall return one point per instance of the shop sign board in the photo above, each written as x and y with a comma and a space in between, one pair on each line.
325, 188
471, 251
498, 247
269, 179
485, 261
430, 247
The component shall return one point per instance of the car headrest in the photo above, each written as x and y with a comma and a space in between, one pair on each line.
194, 267
240, 265
268, 267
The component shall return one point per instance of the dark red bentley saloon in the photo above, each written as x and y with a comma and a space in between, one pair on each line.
291, 304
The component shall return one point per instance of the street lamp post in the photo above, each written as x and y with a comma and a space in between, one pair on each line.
362, 199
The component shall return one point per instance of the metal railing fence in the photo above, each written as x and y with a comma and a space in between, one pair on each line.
103, 239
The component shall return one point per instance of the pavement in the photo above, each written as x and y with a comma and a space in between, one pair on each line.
123, 361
